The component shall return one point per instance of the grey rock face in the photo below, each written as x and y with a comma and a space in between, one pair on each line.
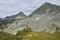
45, 18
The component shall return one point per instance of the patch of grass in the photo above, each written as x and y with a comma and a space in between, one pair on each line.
43, 36
7, 36
33, 36
29, 35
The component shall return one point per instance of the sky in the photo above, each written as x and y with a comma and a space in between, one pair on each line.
12, 7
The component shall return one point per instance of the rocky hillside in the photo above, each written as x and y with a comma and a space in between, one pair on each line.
45, 18
11, 19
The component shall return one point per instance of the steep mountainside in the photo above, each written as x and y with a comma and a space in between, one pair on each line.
11, 19
45, 18
46, 8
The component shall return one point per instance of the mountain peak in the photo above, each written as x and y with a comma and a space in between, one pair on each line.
47, 3
15, 16
20, 14
46, 8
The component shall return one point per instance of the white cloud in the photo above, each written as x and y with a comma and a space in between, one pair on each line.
27, 6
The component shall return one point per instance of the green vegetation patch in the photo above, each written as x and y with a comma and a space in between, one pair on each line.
7, 36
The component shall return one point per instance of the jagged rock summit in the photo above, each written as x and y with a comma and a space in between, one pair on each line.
20, 14
46, 8
45, 18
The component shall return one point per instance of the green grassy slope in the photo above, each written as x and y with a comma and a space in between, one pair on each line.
28, 34
43, 36
33, 36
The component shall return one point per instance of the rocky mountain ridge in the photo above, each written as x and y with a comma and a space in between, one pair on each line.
45, 18
20, 14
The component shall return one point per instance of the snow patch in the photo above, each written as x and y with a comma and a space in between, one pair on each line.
37, 18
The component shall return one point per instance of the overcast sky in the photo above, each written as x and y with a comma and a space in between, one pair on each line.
12, 7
